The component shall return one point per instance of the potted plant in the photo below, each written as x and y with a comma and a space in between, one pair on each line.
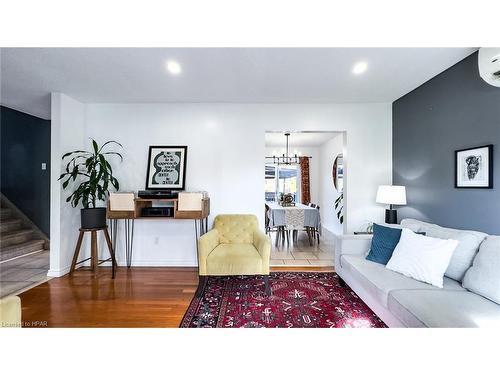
95, 179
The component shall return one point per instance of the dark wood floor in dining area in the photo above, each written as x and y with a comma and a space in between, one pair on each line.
137, 297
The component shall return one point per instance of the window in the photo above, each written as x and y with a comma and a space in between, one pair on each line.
281, 179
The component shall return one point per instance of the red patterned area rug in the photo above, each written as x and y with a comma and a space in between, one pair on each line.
299, 299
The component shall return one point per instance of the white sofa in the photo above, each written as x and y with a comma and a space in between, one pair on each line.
404, 302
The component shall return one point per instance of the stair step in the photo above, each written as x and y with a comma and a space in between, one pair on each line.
16, 237
16, 250
9, 225
5, 213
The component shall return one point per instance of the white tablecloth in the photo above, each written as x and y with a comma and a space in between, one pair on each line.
294, 217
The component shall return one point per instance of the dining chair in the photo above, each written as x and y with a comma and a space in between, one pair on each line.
281, 232
313, 233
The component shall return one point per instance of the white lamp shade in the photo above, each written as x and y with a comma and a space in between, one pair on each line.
389, 194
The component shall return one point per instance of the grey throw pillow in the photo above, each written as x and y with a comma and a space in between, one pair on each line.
483, 277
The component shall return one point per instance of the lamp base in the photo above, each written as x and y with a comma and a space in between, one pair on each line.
391, 216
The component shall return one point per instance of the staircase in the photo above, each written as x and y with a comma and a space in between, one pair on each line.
18, 235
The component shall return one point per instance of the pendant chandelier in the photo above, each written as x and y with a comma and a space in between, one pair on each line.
285, 158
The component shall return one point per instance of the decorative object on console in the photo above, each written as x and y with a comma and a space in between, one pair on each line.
422, 258
191, 201
157, 194
391, 195
385, 240
157, 212
96, 176
474, 167
166, 167
121, 201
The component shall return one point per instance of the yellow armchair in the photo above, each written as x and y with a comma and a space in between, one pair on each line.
10, 312
235, 246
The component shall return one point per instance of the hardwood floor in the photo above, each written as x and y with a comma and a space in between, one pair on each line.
138, 297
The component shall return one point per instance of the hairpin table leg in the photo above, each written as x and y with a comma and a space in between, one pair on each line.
129, 240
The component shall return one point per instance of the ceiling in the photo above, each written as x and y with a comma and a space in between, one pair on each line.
299, 139
233, 75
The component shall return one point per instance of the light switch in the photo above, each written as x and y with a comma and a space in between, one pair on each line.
44, 166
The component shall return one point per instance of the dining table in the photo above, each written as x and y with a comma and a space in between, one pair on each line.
294, 218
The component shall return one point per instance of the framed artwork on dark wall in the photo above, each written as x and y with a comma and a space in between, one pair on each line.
166, 168
474, 167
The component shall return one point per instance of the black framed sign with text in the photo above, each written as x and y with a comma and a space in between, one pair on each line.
166, 168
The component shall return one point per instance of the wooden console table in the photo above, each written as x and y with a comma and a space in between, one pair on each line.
200, 220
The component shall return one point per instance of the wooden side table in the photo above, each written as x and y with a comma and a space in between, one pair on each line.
94, 256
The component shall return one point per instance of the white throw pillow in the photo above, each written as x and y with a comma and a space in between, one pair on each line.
422, 258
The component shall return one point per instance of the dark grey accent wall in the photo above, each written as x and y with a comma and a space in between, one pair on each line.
25, 145
454, 110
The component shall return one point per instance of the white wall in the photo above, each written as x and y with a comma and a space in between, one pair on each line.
313, 166
328, 151
225, 148
67, 134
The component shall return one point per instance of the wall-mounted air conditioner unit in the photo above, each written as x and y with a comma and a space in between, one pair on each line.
489, 65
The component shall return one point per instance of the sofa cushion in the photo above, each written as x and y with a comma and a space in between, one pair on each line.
465, 252
384, 242
234, 259
484, 276
443, 308
379, 281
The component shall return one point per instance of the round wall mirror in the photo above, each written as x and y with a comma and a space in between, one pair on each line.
338, 173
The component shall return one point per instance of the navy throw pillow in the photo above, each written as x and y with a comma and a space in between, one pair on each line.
384, 242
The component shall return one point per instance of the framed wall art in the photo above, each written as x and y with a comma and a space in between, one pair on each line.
166, 168
474, 167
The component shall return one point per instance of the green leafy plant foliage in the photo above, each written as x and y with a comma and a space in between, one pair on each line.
339, 207
95, 172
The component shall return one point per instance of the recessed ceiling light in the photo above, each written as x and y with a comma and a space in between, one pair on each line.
360, 67
174, 67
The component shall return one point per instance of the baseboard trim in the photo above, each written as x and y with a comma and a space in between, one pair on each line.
122, 263
58, 272
157, 263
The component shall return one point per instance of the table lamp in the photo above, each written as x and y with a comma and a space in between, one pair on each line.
391, 195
